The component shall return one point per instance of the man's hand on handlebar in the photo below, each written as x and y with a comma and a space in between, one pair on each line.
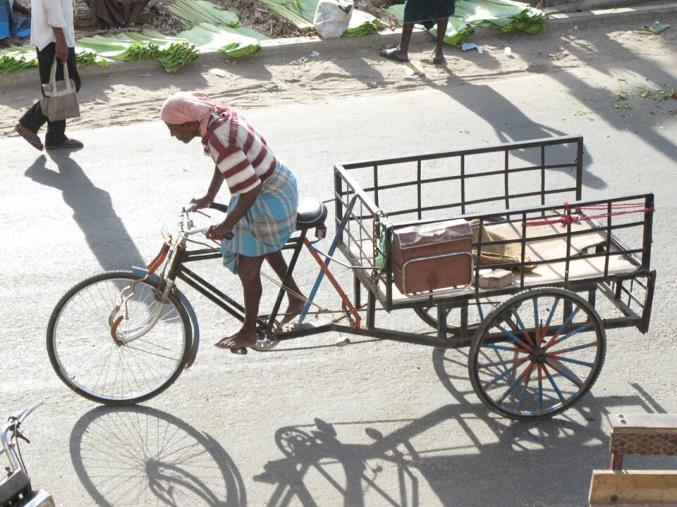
217, 232
200, 202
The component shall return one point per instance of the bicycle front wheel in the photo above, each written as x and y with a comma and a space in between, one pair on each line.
92, 356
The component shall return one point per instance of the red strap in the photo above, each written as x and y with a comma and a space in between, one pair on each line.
567, 218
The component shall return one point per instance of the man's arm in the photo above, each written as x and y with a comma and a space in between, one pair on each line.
61, 50
55, 18
245, 202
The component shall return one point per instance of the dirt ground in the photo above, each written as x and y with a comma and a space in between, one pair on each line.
127, 93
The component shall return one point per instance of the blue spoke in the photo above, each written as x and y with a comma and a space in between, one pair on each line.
503, 347
552, 312
512, 336
499, 363
572, 349
523, 328
524, 389
535, 301
580, 328
540, 389
554, 384
575, 361
563, 371
498, 377
568, 321
509, 390
485, 356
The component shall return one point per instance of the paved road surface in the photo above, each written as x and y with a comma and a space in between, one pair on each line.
375, 423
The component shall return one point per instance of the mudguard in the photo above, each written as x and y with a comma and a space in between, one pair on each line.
195, 345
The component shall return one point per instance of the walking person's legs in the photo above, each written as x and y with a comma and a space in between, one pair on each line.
438, 55
400, 53
34, 119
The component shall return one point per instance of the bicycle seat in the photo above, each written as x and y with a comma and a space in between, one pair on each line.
310, 213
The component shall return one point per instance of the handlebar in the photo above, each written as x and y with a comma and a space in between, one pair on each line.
10, 432
215, 205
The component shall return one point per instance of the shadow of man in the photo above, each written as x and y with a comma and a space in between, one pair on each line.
93, 211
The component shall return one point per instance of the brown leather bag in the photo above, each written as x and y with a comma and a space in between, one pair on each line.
432, 256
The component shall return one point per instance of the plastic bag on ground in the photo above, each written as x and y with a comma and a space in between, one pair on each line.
332, 18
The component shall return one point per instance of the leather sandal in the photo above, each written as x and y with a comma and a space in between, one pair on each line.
68, 144
30, 136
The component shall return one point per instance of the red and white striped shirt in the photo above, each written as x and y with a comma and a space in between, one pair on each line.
238, 150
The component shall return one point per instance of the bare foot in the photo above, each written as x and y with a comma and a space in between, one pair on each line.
236, 343
293, 310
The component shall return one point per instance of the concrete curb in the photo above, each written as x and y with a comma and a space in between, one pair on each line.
296, 47
588, 5
619, 14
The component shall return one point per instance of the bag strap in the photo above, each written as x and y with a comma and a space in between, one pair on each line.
52, 76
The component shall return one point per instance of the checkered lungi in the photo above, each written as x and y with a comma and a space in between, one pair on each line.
268, 224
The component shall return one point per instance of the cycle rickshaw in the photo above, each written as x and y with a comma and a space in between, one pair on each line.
569, 269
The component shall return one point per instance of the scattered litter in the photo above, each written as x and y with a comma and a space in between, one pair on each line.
314, 54
217, 72
507, 51
657, 27
272, 87
412, 70
466, 46
372, 84
342, 342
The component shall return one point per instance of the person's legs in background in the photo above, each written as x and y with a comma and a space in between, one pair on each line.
438, 55
400, 53
33, 119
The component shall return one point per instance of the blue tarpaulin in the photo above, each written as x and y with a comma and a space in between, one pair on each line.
13, 25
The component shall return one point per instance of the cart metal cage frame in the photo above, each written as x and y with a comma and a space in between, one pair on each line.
538, 191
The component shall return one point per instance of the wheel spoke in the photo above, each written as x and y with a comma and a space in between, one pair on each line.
84, 355
565, 372
541, 378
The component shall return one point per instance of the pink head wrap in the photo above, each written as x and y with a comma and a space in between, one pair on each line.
183, 107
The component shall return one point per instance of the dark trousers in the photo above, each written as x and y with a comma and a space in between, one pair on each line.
33, 119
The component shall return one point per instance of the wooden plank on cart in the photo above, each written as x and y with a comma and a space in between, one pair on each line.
638, 487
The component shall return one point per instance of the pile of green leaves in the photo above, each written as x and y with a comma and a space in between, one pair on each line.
232, 42
18, 58
457, 29
299, 12
172, 52
194, 12
361, 23
302, 13
506, 15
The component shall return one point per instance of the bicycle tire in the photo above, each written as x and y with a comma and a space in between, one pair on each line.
103, 361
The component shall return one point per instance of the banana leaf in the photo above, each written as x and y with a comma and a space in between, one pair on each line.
302, 13
505, 15
207, 37
16, 58
172, 52
361, 23
194, 12
457, 32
